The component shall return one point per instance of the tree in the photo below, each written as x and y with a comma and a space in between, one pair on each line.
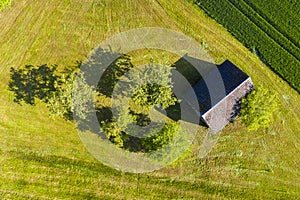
155, 86
257, 109
145, 87
163, 137
113, 132
73, 96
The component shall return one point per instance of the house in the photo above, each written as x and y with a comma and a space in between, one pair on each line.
216, 96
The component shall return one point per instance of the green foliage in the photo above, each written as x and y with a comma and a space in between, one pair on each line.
113, 73
254, 28
154, 95
162, 138
150, 86
73, 96
113, 132
140, 119
83, 96
258, 109
4, 3
41, 82
115, 128
33, 82
49, 157
157, 90
59, 103
170, 145
121, 66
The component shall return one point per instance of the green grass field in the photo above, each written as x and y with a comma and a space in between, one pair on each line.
43, 158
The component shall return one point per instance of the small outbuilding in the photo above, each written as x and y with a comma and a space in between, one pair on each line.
218, 92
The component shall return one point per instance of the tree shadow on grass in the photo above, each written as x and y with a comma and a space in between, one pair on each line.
62, 161
104, 69
31, 83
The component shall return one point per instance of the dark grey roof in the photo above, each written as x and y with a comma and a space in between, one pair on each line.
231, 76
218, 91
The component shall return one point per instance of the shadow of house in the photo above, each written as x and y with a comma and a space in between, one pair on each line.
217, 90
189, 69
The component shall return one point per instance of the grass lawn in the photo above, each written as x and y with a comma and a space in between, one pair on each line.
43, 158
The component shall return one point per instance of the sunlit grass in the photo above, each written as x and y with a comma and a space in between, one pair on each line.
44, 158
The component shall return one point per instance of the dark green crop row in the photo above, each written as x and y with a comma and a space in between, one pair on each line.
265, 26
283, 15
254, 32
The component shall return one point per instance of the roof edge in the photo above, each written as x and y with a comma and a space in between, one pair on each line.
249, 78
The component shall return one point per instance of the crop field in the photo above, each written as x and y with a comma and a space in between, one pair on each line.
44, 158
269, 28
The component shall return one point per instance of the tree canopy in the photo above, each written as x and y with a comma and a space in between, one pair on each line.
258, 108
72, 96
154, 86
145, 88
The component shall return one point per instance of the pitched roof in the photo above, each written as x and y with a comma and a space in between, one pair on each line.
218, 92
231, 77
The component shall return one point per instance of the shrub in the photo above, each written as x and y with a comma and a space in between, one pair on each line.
162, 138
66, 101
258, 108
113, 132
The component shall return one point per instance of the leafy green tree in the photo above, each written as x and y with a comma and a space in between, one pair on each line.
73, 96
145, 87
258, 108
156, 86
113, 132
163, 137
115, 128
